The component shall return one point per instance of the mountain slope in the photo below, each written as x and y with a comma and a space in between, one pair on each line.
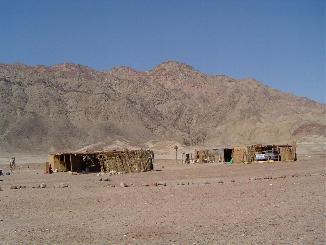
69, 106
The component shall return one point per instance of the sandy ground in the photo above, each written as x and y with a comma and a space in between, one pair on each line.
262, 203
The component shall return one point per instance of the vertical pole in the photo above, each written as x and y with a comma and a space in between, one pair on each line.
70, 163
176, 153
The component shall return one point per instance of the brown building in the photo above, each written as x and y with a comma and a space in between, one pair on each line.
119, 161
247, 154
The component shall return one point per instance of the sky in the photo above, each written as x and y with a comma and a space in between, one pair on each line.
280, 43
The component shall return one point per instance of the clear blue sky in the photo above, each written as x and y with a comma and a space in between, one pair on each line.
279, 42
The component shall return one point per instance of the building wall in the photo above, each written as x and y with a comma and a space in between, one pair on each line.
55, 162
288, 153
127, 161
239, 155
209, 156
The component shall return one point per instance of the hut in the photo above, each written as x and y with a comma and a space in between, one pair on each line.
120, 161
271, 152
248, 154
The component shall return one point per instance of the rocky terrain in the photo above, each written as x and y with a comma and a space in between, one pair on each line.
70, 106
263, 203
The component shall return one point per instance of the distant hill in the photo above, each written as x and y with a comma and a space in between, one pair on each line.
70, 106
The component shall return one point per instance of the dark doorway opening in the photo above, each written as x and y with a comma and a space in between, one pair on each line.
227, 155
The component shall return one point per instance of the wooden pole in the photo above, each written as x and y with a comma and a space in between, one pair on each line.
70, 163
176, 154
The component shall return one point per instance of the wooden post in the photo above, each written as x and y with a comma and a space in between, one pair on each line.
64, 160
176, 154
70, 163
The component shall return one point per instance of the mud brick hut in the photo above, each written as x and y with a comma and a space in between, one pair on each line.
120, 161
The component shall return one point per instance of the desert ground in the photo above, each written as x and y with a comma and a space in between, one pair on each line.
259, 203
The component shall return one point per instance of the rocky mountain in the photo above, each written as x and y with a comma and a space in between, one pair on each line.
70, 106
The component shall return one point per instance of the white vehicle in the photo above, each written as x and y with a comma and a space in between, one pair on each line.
261, 156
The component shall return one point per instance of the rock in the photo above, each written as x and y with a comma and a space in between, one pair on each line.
14, 187
62, 185
122, 184
220, 182
206, 183
99, 174
42, 185
106, 179
268, 177
100, 179
161, 183
145, 184
112, 172
232, 180
280, 177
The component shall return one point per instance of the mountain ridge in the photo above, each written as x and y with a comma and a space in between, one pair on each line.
68, 106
